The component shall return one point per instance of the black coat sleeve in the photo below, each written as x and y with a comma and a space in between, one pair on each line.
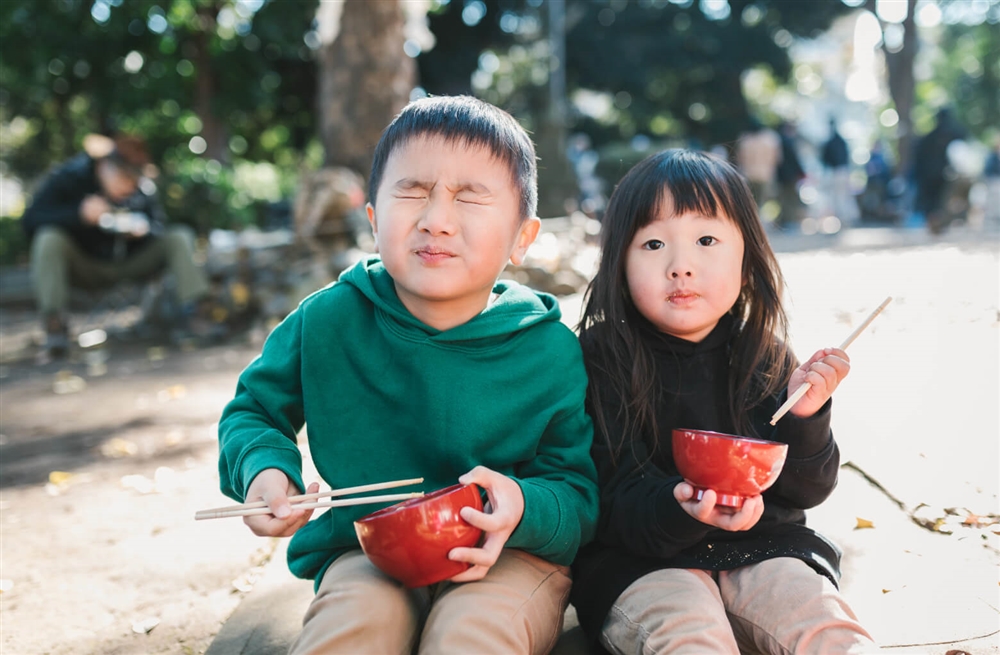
810, 472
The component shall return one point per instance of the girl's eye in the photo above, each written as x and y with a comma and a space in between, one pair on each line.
653, 244
707, 241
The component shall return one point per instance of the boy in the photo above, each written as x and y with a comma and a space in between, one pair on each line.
419, 362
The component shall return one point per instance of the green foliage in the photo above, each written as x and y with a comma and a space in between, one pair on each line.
663, 68
968, 76
13, 242
201, 80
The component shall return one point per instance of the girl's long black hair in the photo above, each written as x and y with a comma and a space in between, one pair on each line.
611, 327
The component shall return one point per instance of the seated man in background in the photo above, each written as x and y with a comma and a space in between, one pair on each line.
91, 226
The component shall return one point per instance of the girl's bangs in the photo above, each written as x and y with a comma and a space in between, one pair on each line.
694, 187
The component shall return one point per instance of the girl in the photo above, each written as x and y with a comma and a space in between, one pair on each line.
683, 328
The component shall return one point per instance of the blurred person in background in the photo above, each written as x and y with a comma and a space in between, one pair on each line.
930, 169
876, 204
92, 225
991, 176
758, 152
789, 174
836, 161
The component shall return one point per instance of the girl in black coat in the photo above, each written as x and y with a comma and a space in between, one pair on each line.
684, 328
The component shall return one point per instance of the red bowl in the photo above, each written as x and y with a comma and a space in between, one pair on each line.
734, 467
410, 541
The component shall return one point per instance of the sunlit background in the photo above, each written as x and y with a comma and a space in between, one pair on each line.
233, 95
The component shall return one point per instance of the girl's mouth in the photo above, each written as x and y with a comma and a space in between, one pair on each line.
682, 297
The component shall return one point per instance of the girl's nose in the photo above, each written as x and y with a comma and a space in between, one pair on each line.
679, 266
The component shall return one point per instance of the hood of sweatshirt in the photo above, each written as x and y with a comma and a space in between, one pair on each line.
515, 307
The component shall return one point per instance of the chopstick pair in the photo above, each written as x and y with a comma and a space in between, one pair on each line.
259, 507
805, 386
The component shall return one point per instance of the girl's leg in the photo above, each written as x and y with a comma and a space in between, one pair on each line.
357, 609
783, 606
673, 611
516, 609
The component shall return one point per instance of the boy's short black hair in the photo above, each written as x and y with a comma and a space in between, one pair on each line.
470, 121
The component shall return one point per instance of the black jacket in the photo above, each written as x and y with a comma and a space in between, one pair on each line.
834, 153
57, 203
643, 528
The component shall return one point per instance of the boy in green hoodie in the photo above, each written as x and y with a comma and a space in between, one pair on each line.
418, 362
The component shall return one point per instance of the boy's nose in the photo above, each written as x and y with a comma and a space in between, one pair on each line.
437, 219
675, 273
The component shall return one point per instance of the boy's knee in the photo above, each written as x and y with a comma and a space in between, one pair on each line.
359, 615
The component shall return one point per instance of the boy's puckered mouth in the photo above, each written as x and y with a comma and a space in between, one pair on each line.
433, 254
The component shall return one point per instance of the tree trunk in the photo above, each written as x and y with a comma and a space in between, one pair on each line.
901, 86
556, 181
212, 129
365, 79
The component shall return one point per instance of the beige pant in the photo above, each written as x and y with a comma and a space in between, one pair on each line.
57, 262
778, 606
517, 608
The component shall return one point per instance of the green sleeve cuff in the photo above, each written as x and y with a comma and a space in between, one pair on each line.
540, 526
288, 460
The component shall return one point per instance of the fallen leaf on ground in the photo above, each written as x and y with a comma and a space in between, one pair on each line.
246, 581
60, 478
118, 447
172, 393
66, 382
143, 626
863, 523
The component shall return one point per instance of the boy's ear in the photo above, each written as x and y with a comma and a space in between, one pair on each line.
525, 237
370, 210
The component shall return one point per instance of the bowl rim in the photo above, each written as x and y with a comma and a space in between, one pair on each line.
729, 437
415, 503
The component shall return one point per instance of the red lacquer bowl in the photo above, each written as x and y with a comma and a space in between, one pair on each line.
410, 541
734, 467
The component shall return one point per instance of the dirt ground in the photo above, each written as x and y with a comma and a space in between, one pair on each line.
98, 488
101, 472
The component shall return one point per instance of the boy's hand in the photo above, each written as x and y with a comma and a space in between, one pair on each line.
824, 371
273, 487
719, 516
501, 515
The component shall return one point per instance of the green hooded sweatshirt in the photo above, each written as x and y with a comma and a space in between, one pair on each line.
387, 397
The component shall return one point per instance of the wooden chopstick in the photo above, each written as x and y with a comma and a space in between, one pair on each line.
253, 511
329, 493
805, 386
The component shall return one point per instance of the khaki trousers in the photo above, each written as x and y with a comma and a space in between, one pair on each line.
517, 608
779, 606
57, 262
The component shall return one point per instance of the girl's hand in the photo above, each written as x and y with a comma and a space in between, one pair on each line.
719, 516
502, 513
823, 371
273, 487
